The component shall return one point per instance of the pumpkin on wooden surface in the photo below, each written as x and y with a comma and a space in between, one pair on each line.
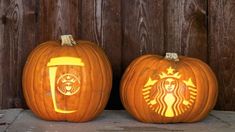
67, 81
168, 89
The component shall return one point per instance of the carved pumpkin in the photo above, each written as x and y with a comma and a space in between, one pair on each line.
67, 81
168, 90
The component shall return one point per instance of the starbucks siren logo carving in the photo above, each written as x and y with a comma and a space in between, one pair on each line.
68, 84
169, 96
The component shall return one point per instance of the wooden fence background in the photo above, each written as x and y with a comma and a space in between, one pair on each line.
125, 29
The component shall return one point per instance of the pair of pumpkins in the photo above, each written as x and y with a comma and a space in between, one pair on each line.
71, 81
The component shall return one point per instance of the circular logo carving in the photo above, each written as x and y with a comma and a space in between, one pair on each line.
169, 95
68, 84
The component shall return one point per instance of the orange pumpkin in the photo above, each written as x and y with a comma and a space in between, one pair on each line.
67, 81
168, 90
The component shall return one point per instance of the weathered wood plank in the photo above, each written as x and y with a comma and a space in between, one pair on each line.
222, 49
26, 45
58, 17
12, 39
18, 35
143, 30
186, 27
2, 20
101, 23
121, 121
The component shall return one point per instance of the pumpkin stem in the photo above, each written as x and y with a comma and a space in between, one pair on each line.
172, 56
67, 40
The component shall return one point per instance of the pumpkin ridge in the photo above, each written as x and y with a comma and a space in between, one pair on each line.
108, 75
25, 91
43, 85
193, 114
90, 86
211, 73
105, 74
209, 97
147, 61
32, 106
187, 116
132, 101
130, 77
43, 96
135, 101
93, 51
33, 78
152, 118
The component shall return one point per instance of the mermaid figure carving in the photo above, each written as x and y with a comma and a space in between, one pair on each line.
169, 96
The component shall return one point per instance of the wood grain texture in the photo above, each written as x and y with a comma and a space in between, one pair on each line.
12, 40
2, 20
18, 40
26, 45
186, 27
222, 49
58, 17
101, 23
143, 31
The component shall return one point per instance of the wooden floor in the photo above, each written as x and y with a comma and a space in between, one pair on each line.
18, 120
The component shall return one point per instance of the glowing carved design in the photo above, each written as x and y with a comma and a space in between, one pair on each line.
65, 61
68, 84
169, 96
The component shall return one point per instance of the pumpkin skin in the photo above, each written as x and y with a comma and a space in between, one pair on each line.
80, 89
155, 89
